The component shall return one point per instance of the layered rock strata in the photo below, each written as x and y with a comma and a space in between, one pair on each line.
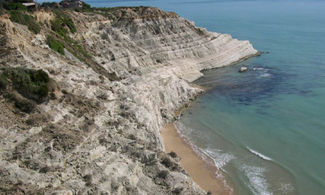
98, 135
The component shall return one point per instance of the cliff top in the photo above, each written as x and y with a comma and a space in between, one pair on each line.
136, 12
80, 6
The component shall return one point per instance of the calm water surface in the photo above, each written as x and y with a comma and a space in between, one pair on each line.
265, 128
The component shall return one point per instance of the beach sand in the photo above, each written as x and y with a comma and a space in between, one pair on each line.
202, 172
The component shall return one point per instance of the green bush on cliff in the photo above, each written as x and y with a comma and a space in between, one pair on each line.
69, 23
80, 50
55, 45
24, 105
75, 48
50, 5
14, 6
3, 81
32, 84
58, 27
106, 9
60, 23
25, 19
2, 11
85, 8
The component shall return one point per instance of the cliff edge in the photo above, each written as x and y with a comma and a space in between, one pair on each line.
115, 77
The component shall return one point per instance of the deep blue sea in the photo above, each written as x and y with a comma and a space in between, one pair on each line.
264, 128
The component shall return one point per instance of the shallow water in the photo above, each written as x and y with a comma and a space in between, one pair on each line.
264, 128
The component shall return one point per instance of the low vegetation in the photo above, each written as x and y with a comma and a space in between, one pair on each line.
14, 6
3, 82
2, 11
55, 45
79, 51
85, 8
31, 84
24, 104
104, 11
50, 5
108, 12
25, 19
25, 87
62, 23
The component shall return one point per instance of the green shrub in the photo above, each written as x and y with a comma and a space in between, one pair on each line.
69, 23
76, 49
24, 105
32, 84
2, 11
25, 19
104, 36
39, 76
57, 26
60, 23
55, 45
34, 27
85, 6
82, 51
162, 174
14, 6
50, 5
106, 9
3, 81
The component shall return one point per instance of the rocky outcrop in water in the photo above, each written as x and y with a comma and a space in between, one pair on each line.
98, 133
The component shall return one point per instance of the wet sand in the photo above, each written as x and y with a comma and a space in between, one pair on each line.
202, 172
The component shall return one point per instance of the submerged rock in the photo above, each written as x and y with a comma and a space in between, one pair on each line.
242, 69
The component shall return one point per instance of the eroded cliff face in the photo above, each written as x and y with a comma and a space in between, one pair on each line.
100, 135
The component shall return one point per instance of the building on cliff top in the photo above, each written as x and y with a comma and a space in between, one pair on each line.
31, 5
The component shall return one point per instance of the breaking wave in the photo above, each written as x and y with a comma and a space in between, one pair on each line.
259, 154
220, 158
257, 182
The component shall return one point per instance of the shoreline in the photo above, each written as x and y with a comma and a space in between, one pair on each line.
202, 172
115, 92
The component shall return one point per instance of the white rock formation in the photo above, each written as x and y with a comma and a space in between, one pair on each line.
100, 136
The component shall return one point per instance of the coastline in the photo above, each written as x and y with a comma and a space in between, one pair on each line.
116, 103
201, 171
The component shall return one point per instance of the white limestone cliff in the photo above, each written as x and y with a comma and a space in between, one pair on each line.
101, 136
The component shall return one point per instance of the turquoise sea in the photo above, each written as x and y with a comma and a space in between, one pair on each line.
265, 128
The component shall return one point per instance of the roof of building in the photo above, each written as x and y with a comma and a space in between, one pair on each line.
29, 4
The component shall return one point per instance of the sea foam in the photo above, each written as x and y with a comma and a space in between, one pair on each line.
265, 75
219, 158
259, 154
257, 182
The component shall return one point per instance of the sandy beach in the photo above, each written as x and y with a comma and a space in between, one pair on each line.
202, 172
